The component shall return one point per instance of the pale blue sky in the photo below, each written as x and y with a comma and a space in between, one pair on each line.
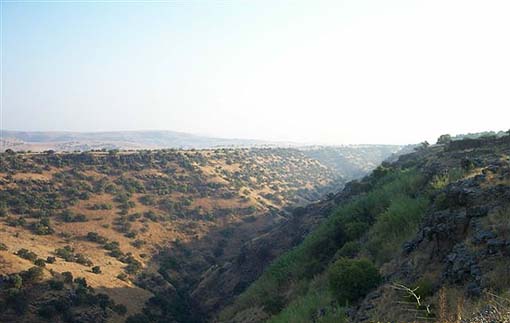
359, 71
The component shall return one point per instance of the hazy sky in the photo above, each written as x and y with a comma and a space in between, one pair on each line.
359, 71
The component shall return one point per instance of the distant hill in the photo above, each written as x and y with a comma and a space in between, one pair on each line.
83, 141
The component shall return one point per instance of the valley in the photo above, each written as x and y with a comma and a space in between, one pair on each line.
422, 239
145, 227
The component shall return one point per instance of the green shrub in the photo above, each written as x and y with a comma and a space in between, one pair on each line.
424, 287
33, 274
68, 277
349, 250
40, 262
305, 308
396, 225
274, 304
56, 284
26, 254
349, 222
350, 280
16, 281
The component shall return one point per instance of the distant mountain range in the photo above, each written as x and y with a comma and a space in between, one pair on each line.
37, 141
71, 141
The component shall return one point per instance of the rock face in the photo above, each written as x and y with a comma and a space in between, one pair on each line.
463, 243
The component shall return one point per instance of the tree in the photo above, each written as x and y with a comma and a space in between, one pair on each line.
96, 270
40, 262
33, 274
352, 279
444, 139
17, 281
68, 277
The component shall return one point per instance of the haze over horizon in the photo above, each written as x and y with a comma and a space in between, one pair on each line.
330, 72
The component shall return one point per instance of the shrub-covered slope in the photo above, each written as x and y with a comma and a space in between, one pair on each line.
422, 239
155, 231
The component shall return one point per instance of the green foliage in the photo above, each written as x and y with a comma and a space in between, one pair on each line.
95, 237
395, 225
32, 275
424, 287
389, 202
68, 277
441, 181
40, 262
444, 139
56, 284
43, 227
68, 216
305, 308
349, 250
17, 281
96, 270
26, 254
351, 279
67, 253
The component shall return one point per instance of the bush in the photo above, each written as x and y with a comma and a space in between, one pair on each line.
50, 260
16, 281
96, 270
68, 277
95, 237
444, 139
33, 274
68, 216
350, 280
3, 247
396, 225
40, 262
83, 260
25, 254
122, 276
56, 284
349, 250
424, 287
43, 227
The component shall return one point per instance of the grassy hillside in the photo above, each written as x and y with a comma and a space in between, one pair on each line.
422, 239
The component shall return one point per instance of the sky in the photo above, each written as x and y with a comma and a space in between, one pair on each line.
331, 72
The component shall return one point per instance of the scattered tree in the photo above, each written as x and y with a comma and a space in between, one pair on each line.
444, 139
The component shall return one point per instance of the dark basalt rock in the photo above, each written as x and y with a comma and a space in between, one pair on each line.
495, 245
477, 212
461, 265
482, 236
